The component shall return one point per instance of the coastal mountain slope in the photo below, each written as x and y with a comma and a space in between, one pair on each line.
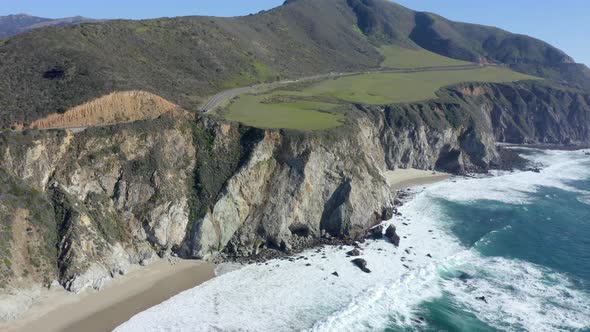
12, 25
82, 208
151, 177
186, 59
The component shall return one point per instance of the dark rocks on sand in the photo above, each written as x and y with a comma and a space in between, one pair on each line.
361, 264
377, 232
392, 235
354, 252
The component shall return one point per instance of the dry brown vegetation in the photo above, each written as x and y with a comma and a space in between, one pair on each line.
117, 107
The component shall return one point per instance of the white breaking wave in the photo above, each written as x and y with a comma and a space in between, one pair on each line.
520, 295
291, 296
560, 167
584, 200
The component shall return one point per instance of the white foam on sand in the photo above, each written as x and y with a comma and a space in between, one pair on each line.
287, 296
284, 296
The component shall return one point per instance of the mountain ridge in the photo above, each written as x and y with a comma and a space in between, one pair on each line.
14, 24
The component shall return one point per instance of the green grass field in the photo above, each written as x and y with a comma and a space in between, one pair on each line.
390, 88
301, 114
313, 107
404, 58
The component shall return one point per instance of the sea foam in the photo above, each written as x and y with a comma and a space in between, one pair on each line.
520, 295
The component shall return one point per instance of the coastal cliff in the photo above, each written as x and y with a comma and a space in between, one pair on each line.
82, 208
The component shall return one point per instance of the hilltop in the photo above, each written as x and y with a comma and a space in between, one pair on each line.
184, 60
12, 25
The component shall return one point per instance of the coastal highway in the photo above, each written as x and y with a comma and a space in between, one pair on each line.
225, 95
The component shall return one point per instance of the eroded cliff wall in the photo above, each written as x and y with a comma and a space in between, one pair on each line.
80, 208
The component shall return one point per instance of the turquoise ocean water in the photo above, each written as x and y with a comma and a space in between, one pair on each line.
529, 257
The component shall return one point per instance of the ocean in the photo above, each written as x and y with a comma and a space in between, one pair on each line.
508, 252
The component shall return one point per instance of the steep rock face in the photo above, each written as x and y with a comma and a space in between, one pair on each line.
295, 185
526, 113
453, 135
119, 194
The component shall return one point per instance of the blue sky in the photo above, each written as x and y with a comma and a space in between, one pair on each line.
564, 23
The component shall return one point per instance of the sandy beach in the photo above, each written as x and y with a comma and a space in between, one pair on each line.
406, 178
91, 311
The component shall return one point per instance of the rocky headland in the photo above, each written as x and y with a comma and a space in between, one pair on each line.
198, 187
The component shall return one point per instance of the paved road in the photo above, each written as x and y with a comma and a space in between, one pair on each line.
223, 96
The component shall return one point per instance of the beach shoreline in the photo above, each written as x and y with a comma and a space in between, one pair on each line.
407, 178
117, 302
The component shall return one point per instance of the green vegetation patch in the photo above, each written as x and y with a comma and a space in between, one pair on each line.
391, 88
256, 73
256, 111
313, 107
405, 58
15, 194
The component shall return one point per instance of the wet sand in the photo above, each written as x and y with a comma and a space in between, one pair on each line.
116, 303
406, 178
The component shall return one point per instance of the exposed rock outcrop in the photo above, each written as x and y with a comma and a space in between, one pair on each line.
293, 183
116, 196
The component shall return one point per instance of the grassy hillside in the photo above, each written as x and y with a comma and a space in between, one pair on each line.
300, 114
186, 60
401, 57
316, 106
391, 88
